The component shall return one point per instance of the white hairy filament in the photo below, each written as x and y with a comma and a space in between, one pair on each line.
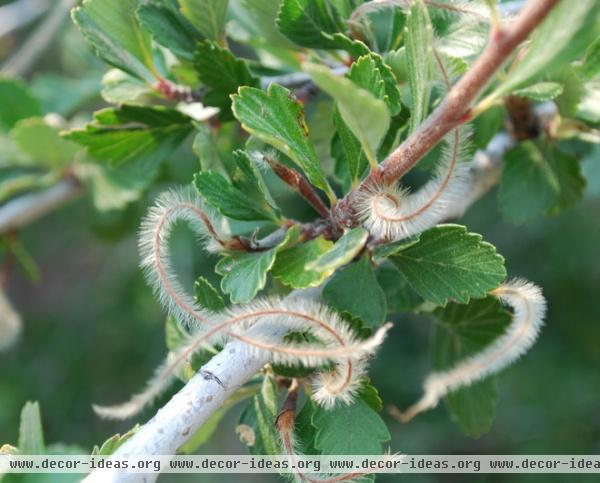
529, 308
252, 323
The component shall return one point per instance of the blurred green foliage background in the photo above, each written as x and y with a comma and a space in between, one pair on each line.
93, 331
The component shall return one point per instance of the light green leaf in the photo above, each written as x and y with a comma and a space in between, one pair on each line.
461, 331
310, 23
118, 87
571, 26
244, 274
571, 181
222, 73
175, 334
354, 289
354, 429
290, 265
208, 16
208, 296
112, 30
31, 435
418, 42
169, 27
17, 103
246, 177
131, 133
345, 249
263, 15
256, 426
43, 143
112, 444
450, 263
542, 91
230, 201
529, 186
276, 117
590, 66
367, 117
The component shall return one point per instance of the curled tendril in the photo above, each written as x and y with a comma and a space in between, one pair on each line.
253, 324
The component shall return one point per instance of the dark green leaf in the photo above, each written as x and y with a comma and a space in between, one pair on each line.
461, 331
169, 27
369, 394
450, 263
529, 186
17, 103
229, 200
207, 296
130, 133
399, 296
277, 118
247, 178
310, 23
354, 289
223, 74
354, 429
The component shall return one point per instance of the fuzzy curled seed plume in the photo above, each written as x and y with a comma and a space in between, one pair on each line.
253, 324
529, 308
391, 212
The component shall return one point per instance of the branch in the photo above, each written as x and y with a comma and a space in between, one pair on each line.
23, 59
191, 407
455, 109
25, 209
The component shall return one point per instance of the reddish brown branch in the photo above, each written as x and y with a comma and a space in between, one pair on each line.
455, 109
299, 184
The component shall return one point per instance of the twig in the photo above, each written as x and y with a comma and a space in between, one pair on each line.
18, 14
455, 108
23, 59
298, 183
23, 210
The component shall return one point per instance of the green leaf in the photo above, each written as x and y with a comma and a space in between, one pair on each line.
208, 16
246, 177
229, 200
112, 30
131, 133
542, 91
461, 331
169, 27
562, 37
382, 252
369, 394
207, 296
354, 429
244, 274
277, 118
345, 249
399, 296
175, 334
450, 263
223, 74
118, 87
256, 426
43, 143
112, 444
367, 117
590, 66
351, 158
529, 186
290, 265
17, 103
418, 41
31, 435
571, 181
310, 23
354, 289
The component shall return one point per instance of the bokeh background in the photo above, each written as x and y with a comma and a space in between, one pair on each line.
94, 333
